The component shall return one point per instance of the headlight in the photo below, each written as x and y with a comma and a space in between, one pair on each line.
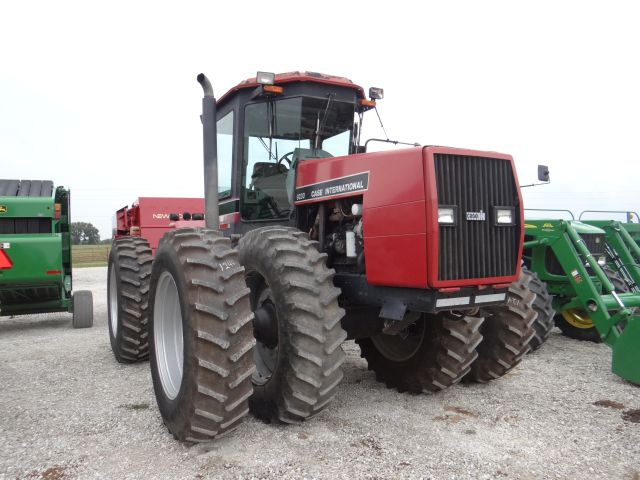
265, 78
602, 261
504, 216
447, 215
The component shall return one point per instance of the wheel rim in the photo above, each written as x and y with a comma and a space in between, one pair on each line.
167, 335
577, 318
265, 358
402, 346
113, 302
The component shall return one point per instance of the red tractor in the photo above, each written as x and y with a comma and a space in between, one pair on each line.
310, 241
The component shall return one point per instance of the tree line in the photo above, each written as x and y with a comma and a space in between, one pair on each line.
84, 233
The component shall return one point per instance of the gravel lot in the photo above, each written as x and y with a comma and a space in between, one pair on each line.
68, 410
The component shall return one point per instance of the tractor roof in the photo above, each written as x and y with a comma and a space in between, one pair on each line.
290, 77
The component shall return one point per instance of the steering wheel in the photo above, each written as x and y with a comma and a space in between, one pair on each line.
287, 157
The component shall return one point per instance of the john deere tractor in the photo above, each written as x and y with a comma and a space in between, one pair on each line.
35, 252
593, 301
309, 240
622, 245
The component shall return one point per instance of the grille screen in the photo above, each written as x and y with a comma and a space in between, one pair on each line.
595, 242
476, 248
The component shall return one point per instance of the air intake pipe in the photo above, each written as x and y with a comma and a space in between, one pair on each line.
210, 148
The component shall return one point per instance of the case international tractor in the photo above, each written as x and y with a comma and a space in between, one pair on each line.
308, 241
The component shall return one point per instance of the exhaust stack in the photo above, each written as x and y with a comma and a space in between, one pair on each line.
210, 148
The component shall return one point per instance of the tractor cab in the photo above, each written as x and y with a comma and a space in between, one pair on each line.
266, 125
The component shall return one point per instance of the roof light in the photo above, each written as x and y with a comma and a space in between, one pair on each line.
376, 93
265, 78
272, 89
367, 103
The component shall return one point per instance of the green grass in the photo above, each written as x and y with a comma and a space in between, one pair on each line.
89, 255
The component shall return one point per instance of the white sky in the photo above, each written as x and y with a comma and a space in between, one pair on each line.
102, 97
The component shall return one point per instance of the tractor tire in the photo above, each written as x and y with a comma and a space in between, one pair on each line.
200, 335
82, 309
543, 324
128, 279
577, 325
431, 355
506, 333
299, 368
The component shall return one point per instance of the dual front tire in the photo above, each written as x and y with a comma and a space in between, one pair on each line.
441, 350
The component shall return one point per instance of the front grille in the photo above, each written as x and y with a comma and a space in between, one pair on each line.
595, 242
25, 225
471, 248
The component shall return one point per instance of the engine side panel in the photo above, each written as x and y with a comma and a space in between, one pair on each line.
394, 214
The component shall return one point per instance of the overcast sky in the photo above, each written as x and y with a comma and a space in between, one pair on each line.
102, 97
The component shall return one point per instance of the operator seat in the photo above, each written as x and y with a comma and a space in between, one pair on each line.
300, 154
270, 179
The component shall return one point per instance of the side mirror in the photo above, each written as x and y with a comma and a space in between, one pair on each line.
543, 173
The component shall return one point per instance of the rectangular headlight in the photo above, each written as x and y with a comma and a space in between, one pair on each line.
447, 215
504, 216
265, 78
376, 93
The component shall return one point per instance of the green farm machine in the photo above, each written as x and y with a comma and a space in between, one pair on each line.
591, 269
35, 252
622, 245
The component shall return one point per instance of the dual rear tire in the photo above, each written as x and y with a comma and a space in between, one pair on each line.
200, 341
128, 278
299, 356
203, 350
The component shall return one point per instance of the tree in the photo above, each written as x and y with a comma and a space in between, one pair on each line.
83, 233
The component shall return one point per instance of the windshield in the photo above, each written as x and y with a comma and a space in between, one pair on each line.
277, 134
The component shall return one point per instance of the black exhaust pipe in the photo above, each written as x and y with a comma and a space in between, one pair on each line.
210, 148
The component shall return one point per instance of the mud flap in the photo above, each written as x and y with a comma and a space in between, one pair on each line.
626, 352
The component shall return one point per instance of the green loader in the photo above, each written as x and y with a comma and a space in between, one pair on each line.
35, 252
622, 245
593, 301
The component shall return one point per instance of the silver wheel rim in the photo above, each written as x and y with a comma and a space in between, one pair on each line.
402, 346
113, 302
167, 335
265, 358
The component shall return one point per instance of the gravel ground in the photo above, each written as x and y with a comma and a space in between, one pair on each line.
68, 410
